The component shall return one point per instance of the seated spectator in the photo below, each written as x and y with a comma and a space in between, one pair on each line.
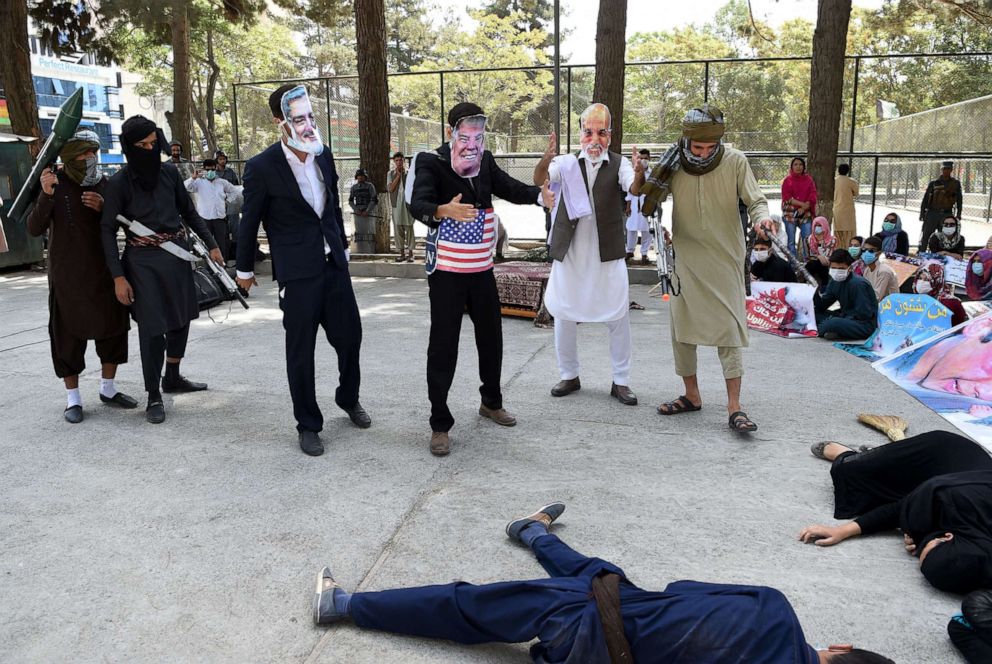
894, 239
820, 244
769, 266
971, 630
854, 248
929, 280
882, 278
857, 317
947, 240
936, 487
588, 611
978, 279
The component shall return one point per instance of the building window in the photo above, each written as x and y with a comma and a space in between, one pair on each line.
54, 91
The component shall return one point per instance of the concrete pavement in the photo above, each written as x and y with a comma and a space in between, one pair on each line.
197, 540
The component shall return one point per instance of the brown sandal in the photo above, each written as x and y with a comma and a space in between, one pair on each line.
741, 423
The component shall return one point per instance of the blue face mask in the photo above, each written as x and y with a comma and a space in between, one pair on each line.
978, 268
868, 256
888, 226
211, 175
854, 251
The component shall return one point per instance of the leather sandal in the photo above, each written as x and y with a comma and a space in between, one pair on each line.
680, 405
741, 423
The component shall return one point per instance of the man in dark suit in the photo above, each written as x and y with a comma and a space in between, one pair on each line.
291, 188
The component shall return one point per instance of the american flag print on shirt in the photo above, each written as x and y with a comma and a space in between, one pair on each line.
463, 246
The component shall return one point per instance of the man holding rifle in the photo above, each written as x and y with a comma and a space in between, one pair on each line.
154, 277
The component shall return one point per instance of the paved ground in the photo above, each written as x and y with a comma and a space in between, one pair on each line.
197, 540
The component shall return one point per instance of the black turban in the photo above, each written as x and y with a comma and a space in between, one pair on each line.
143, 164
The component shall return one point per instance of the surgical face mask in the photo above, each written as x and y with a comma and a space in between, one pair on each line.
854, 251
818, 230
923, 287
978, 268
761, 255
211, 175
949, 230
838, 274
868, 256
888, 226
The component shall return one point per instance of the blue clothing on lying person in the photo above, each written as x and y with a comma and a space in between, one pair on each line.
702, 623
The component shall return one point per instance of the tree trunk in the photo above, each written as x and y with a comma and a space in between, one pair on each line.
826, 98
211, 131
373, 95
611, 46
15, 71
179, 120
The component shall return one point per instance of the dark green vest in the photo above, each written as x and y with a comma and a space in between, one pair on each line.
609, 207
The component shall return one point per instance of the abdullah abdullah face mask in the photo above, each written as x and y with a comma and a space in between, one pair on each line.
299, 125
468, 143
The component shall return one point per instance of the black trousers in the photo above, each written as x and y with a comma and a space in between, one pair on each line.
450, 294
221, 232
327, 301
155, 349
69, 352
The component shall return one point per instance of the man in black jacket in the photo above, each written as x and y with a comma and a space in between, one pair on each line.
451, 190
768, 266
291, 188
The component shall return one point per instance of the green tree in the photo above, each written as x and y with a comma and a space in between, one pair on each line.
218, 59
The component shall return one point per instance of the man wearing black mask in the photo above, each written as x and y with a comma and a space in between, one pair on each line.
156, 284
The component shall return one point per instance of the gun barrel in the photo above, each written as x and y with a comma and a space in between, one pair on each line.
64, 127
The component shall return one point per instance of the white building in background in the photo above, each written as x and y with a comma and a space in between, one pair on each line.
152, 107
55, 78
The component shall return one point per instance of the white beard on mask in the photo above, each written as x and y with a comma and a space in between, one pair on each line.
591, 159
315, 147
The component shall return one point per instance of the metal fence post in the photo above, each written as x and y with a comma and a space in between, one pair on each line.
854, 101
988, 207
327, 97
234, 124
874, 187
568, 110
443, 116
706, 81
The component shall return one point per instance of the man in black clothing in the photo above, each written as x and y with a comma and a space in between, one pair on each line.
154, 283
291, 188
362, 198
971, 630
769, 266
943, 198
452, 193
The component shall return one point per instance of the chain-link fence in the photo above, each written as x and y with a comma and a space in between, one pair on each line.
893, 135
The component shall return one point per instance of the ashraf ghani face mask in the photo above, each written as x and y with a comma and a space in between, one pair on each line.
299, 124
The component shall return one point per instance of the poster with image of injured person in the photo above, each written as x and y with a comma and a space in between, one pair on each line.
785, 310
468, 142
903, 321
951, 374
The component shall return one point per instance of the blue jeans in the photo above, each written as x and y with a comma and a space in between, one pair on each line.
805, 230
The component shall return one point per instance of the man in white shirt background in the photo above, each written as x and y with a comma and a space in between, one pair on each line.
637, 222
211, 196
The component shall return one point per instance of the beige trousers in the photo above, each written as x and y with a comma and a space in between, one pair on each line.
731, 359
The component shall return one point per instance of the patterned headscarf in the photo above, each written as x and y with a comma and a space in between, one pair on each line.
83, 173
948, 242
933, 271
704, 125
826, 243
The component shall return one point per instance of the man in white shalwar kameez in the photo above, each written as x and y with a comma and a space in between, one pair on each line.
588, 282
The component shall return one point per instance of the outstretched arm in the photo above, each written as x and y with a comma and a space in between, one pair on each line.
829, 535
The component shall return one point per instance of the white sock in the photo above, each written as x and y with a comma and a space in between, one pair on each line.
73, 398
107, 388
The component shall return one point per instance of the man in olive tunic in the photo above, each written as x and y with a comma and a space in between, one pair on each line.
81, 301
943, 199
706, 180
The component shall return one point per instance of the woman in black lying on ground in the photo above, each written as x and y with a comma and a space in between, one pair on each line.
936, 487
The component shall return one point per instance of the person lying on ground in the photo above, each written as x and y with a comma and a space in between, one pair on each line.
936, 487
588, 612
